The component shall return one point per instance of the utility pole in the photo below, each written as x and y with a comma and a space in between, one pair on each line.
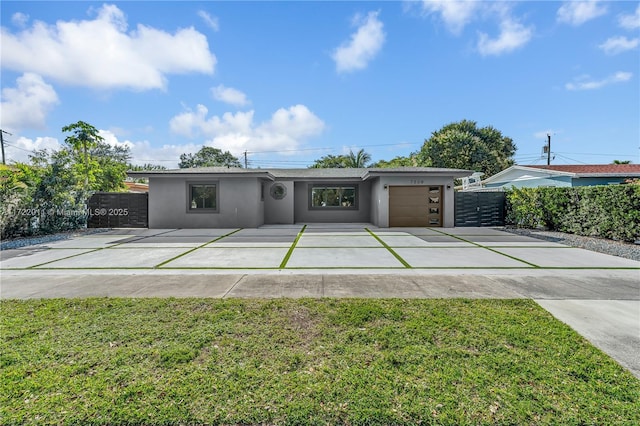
2, 132
245, 159
548, 149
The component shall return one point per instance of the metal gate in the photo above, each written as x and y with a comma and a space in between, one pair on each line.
118, 210
480, 208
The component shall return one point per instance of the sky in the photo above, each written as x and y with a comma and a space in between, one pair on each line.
289, 82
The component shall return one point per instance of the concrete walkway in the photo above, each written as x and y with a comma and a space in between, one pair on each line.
596, 294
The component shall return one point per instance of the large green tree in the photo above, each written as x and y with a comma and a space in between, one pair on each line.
463, 145
112, 165
208, 157
50, 194
83, 138
355, 160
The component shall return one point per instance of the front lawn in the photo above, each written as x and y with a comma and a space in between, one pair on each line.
303, 362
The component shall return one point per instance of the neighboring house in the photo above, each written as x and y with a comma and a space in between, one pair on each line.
136, 187
559, 175
221, 197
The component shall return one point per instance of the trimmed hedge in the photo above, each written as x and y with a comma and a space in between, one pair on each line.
611, 211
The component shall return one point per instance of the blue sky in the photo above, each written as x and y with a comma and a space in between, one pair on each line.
289, 82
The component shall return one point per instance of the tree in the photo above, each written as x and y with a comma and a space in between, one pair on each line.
208, 157
111, 167
463, 145
621, 162
330, 162
396, 162
353, 160
17, 183
143, 168
84, 137
358, 160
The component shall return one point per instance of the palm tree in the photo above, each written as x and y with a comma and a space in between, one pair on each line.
359, 160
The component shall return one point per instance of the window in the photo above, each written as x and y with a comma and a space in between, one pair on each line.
203, 197
334, 197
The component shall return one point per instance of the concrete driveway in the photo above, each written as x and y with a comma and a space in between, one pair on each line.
597, 294
320, 248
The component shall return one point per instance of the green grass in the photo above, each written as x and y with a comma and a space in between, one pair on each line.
303, 362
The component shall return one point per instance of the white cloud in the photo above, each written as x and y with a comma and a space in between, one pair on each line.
630, 22
100, 53
455, 14
363, 45
615, 45
585, 82
285, 130
19, 19
19, 150
578, 12
142, 152
512, 36
211, 21
458, 14
229, 95
27, 104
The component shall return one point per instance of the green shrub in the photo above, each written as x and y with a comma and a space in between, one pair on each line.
611, 211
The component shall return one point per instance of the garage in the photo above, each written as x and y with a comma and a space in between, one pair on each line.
415, 205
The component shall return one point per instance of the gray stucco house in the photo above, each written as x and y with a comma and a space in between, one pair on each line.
221, 197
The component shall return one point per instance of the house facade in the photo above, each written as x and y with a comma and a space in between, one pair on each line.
559, 175
220, 197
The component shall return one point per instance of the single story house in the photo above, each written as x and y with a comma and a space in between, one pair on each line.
221, 197
559, 175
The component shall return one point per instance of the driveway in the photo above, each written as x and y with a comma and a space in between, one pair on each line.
597, 294
321, 248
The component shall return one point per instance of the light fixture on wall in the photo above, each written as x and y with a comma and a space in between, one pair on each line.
386, 186
448, 186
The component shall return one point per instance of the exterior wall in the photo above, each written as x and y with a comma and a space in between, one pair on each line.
239, 204
558, 181
597, 181
382, 195
302, 212
278, 211
376, 197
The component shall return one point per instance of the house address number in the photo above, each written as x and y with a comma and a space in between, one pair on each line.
417, 182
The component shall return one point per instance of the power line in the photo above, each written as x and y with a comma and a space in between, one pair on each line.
17, 147
570, 159
602, 155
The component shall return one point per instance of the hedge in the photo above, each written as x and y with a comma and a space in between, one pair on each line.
611, 211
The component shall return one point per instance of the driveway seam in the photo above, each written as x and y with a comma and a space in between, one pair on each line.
392, 251
224, 296
142, 238
159, 265
63, 258
487, 248
284, 262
